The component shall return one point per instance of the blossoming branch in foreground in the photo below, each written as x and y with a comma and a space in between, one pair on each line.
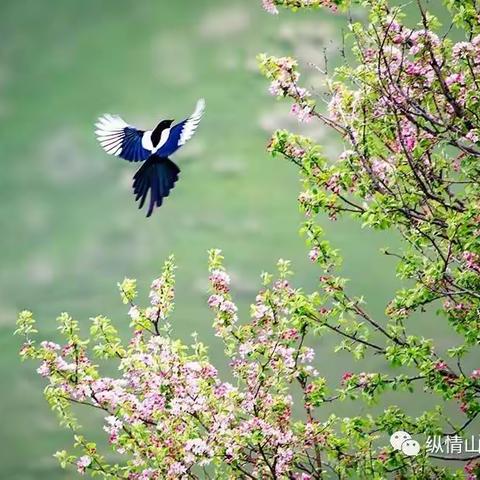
168, 412
271, 5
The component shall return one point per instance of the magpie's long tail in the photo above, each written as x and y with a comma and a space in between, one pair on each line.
157, 176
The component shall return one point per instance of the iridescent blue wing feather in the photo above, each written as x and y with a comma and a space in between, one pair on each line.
120, 139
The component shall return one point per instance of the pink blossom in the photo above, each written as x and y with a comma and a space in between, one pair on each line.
346, 154
475, 375
51, 346
82, 464
408, 137
228, 307
314, 254
346, 376
152, 313
472, 261
177, 469
364, 379
214, 301
261, 311
333, 183
193, 366
44, 369
290, 334
303, 113
148, 474
299, 93
220, 281
307, 355
473, 136
381, 169
295, 151
382, 456
310, 388
284, 458
286, 63
422, 38
462, 50
223, 389
441, 366
245, 348
197, 446
157, 284
471, 469
113, 427
276, 88
455, 79
287, 355
270, 7
395, 59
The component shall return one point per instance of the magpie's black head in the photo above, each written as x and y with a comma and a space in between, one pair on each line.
164, 124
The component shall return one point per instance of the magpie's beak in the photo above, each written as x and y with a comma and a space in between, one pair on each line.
171, 121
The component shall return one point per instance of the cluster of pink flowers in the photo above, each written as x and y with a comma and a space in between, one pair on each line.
302, 112
220, 281
221, 302
441, 366
466, 50
270, 7
472, 261
364, 379
269, 348
408, 137
333, 183
307, 202
284, 82
422, 40
382, 169
161, 298
346, 377
412, 90
294, 151
473, 136
314, 254
82, 463
472, 469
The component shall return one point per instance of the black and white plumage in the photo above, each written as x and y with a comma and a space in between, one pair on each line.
158, 174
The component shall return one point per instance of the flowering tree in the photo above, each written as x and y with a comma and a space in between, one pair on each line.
407, 112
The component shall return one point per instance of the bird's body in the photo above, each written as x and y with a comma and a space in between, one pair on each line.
158, 174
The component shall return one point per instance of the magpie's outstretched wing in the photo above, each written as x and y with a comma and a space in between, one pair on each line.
182, 132
118, 138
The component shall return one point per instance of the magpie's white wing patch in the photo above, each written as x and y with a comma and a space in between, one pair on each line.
191, 123
118, 138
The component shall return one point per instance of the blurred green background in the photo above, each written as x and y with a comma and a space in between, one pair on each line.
71, 228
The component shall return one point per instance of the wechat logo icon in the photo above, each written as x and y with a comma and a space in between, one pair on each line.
403, 441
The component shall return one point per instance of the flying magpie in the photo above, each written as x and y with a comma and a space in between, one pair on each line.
158, 174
